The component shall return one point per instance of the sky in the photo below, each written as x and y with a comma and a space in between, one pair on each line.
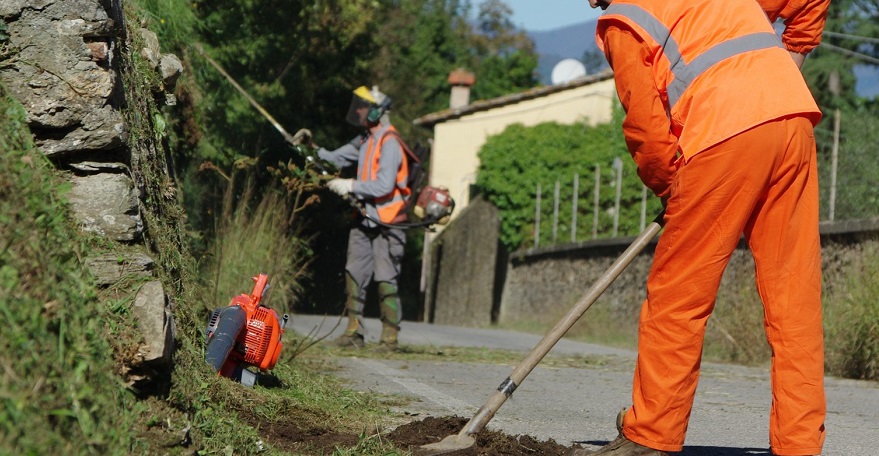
542, 15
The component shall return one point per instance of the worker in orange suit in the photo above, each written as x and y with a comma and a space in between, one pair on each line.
720, 124
803, 24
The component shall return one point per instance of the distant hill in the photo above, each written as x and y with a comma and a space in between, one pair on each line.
569, 42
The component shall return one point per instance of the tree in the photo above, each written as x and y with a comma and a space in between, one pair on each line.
851, 39
422, 41
503, 58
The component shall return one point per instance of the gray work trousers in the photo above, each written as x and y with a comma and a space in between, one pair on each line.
374, 253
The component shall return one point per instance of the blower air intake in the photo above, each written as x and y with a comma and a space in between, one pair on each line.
244, 334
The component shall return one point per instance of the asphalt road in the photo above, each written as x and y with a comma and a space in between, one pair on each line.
578, 405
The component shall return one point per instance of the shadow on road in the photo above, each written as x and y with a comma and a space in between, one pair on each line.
703, 450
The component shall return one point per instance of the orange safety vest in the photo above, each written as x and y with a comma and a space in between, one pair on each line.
388, 206
700, 46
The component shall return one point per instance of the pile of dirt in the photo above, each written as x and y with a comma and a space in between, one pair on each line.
488, 443
289, 436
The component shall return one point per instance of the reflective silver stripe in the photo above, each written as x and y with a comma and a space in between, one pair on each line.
394, 199
684, 73
659, 32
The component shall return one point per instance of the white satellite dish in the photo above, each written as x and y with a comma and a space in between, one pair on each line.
566, 71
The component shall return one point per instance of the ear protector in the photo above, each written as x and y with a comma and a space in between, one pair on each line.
375, 113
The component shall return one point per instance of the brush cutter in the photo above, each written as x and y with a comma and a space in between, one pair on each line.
433, 205
464, 439
244, 334
430, 205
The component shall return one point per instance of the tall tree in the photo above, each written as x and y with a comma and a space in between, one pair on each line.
850, 36
299, 59
421, 41
503, 56
847, 163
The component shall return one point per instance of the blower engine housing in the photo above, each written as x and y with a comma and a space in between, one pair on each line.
244, 334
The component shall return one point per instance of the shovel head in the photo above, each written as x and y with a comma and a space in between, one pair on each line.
457, 445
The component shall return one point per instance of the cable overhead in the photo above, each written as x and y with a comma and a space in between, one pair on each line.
849, 53
851, 37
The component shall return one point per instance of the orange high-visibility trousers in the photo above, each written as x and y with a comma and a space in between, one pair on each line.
763, 183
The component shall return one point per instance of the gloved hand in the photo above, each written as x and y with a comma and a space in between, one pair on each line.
342, 187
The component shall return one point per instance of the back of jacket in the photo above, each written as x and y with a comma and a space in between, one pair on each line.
719, 67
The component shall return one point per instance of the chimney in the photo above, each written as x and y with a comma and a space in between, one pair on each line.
461, 80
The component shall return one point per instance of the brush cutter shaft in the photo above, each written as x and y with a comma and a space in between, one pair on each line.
505, 390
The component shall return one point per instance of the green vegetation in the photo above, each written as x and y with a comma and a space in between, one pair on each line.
61, 392
851, 315
515, 161
857, 185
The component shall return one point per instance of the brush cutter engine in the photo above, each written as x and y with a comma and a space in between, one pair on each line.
244, 334
434, 203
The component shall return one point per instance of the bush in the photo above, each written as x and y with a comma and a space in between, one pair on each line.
254, 235
515, 162
851, 321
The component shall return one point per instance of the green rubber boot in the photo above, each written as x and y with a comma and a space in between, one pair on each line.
391, 314
352, 337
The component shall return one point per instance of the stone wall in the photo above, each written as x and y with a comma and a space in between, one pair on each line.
545, 283
63, 60
463, 260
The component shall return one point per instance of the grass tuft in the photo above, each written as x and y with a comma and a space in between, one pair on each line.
852, 321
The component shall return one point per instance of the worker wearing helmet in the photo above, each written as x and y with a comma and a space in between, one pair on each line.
375, 248
720, 123
803, 24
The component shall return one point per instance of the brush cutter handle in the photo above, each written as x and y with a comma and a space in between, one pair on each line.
505, 390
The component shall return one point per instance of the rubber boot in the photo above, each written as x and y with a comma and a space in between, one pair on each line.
391, 314
352, 337
388, 340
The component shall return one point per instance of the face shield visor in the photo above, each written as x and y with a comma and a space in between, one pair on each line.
362, 103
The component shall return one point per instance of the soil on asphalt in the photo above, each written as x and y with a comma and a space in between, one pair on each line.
290, 436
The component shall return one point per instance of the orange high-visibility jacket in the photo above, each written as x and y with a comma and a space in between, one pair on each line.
698, 47
803, 21
388, 206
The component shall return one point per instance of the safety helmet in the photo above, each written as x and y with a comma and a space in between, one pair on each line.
368, 107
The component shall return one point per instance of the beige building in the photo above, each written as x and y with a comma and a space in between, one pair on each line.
460, 131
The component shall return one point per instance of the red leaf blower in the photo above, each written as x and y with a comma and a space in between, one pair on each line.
244, 334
